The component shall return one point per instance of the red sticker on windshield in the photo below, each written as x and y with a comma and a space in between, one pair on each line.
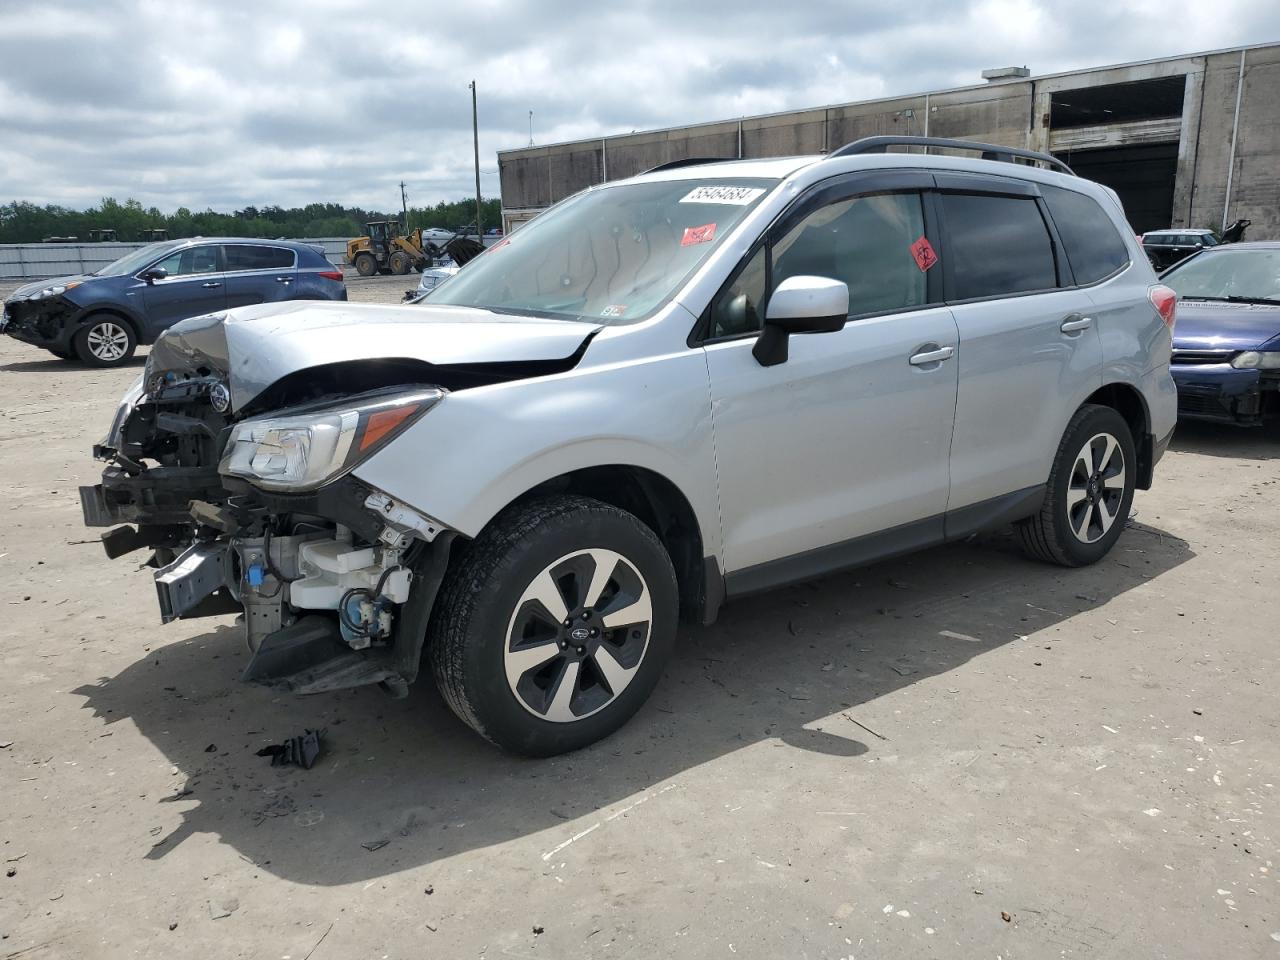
922, 250
703, 234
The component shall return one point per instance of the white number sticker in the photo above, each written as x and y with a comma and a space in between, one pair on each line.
737, 196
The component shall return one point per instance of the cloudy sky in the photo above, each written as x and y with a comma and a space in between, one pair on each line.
223, 105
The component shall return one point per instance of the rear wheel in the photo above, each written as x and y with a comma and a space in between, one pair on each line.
366, 264
400, 263
555, 626
105, 341
1090, 491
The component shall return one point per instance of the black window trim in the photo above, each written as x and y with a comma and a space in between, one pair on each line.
845, 186
261, 246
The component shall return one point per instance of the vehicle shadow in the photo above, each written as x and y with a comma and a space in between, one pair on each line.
1227, 440
52, 364
793, 666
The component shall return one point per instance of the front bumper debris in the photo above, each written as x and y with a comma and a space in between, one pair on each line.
47, 323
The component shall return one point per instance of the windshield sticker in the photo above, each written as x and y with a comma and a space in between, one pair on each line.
737, 196
922, 250
614, 310
703, 234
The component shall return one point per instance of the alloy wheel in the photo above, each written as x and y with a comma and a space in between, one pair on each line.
107, 341
578, 635
1096, 488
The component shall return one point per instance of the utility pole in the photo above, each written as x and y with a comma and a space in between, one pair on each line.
475, 137
531, 128
404, 205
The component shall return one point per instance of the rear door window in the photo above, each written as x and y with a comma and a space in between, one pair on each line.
1093, 247
996, 246
246, 257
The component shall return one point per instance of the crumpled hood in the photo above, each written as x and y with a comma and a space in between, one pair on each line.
27, 289
1211, 325
253, 347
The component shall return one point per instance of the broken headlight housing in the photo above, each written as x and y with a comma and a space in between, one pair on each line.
303, 449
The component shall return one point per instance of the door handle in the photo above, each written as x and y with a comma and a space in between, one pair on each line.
284, 279
932, 356
1075, 323
210, 285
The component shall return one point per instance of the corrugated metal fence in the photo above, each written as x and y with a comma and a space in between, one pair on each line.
36, 261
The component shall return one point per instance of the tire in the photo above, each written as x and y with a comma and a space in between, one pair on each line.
1089, 493
105, 340
496, 604
366, 264
60, 353
400, 263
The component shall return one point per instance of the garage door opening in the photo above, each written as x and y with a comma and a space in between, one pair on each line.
1143, 176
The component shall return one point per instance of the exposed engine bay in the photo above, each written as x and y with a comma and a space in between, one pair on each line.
240, 484
322, 579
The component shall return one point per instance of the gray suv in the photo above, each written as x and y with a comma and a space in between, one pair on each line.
101, 317
663, 393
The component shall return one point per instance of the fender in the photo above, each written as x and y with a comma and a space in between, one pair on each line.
480, 449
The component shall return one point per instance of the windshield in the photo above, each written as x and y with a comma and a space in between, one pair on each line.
135, 261
1228, 274
613, 254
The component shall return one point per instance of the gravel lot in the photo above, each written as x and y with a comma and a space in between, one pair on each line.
958, 754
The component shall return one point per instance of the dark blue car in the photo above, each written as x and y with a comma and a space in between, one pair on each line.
1226, 343
102, 317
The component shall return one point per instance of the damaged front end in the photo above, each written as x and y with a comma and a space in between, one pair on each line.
43, 321
334, 579
232, 459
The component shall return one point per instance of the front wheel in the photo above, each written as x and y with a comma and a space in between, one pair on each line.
1090, 491
554, 627
105, 341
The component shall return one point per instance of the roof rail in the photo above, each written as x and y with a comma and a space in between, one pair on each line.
687, 162
989, 151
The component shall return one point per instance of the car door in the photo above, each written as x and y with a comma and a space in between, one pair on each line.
840, 452
194, 284
1029, 347
257, 273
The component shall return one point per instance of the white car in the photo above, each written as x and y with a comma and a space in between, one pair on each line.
664, 393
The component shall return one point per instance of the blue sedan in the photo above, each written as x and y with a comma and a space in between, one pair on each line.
1226, 343
101, 317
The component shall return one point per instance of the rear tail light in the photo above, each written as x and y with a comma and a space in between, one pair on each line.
1165, 301
331, 275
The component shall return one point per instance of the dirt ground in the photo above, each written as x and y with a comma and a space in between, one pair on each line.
958, 754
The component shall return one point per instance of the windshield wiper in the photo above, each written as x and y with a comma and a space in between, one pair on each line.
1236, 298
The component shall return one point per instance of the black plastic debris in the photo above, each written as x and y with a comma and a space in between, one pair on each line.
302, 751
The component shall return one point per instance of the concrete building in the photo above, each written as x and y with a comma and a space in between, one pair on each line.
1190, 141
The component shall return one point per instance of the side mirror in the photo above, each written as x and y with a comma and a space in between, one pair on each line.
800, 305
154, 274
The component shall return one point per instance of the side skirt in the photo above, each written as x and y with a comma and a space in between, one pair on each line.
894, 542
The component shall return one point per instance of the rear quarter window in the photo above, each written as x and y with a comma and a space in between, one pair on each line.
997, 246
246, 257
1093, 246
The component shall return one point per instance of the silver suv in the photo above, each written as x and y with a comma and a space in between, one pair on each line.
663, 393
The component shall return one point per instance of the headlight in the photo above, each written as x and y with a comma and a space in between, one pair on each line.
304, 449
1256, 360
54, 290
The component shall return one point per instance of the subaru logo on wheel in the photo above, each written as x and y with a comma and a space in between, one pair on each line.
580, 633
